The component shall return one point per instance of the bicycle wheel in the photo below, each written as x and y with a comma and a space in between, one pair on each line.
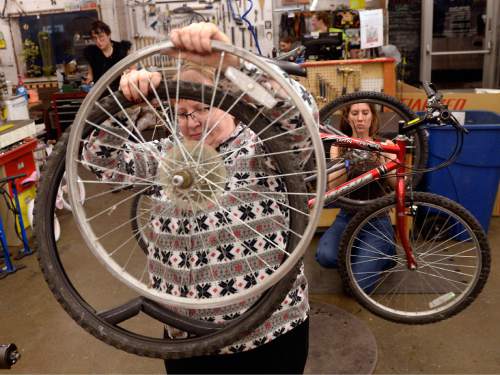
451, 250
116, 315
389, 112
281, 185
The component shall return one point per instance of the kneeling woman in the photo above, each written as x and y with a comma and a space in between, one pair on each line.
373, 251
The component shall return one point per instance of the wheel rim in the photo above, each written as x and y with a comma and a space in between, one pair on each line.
93, 240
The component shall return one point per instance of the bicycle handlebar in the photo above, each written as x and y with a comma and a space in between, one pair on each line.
437, 111
289, 66
429, 89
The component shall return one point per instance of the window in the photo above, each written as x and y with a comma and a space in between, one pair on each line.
67, 35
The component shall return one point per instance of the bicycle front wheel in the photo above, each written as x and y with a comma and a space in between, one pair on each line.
388, 112
450, 247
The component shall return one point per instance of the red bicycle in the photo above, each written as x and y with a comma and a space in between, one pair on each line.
438, 259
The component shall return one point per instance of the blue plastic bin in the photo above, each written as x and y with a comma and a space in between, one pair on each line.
473, 179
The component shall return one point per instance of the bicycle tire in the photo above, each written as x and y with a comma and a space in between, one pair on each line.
384, 285
420, 136
84, 315
70, 299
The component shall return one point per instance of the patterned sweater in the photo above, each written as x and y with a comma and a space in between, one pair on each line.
221, 249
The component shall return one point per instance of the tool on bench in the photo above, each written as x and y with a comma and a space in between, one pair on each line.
345, 72
232, 35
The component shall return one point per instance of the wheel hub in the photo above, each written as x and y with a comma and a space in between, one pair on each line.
182, 179
192, 175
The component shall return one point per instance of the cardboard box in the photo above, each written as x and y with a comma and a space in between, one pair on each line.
457, 100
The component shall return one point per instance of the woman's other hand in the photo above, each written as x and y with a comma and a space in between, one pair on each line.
137, 82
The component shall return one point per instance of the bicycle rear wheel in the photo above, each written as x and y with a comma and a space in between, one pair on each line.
389, 112
451, 250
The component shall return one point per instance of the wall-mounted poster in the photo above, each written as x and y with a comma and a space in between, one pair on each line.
343, 19
371, 28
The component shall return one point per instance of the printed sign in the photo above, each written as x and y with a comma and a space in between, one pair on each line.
372, 28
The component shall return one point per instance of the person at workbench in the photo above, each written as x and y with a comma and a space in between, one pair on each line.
287, 44
104, 53
320, 22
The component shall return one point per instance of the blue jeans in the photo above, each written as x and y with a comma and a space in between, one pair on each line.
371, 252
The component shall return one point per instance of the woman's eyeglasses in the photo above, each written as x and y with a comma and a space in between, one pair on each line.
195, 115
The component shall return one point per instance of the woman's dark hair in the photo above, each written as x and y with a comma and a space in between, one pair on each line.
323, 16
287, 39
346, 128
98, 27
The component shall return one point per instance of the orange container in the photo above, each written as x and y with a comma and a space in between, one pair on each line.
18, 160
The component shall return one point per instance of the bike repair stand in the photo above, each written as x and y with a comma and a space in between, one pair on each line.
9, 268
26, 248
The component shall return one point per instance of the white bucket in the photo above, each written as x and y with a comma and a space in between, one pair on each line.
17, 108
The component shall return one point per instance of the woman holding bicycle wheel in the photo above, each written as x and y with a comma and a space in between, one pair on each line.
359, 120
203, 270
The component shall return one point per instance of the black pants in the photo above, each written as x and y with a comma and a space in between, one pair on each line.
285, 355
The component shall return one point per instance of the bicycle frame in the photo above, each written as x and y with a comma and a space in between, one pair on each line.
397, 149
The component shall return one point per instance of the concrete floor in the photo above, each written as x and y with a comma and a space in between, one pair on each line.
50, 342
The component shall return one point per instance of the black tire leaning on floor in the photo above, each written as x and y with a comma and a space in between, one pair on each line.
86, 317
421, 141
416, 197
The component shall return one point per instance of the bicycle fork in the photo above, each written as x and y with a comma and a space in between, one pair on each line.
401, 222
